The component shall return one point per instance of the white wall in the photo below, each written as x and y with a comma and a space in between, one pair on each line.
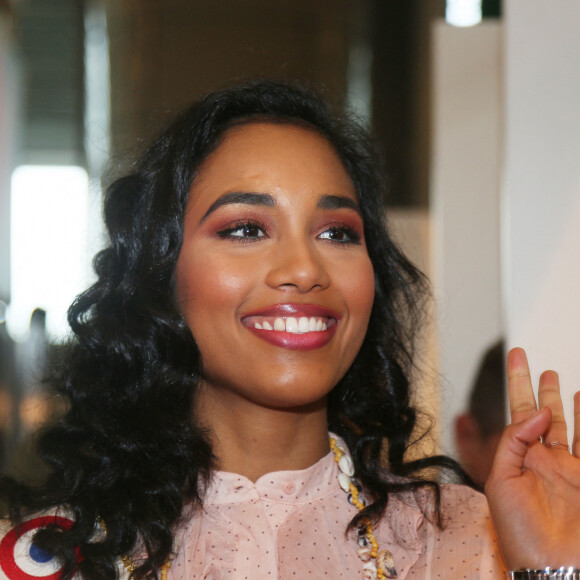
465, 180
411, 229
541, 245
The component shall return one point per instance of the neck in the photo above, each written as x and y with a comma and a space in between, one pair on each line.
253, 440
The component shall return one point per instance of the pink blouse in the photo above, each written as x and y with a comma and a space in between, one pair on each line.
291, 525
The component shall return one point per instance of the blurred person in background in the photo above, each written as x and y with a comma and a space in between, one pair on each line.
7, 378
31, 364
479, 429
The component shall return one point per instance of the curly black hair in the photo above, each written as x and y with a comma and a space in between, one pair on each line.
128, 449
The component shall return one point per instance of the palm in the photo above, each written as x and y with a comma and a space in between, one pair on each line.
534, 488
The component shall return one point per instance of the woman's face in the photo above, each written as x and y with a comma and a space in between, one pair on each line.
274, 279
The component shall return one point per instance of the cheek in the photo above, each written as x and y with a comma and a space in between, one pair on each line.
207, 287
360, 289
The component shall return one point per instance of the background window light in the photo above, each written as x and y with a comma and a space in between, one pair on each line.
463, 12
49, 245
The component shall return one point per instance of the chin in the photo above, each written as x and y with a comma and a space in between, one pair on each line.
276, 386
293, 403
292, 394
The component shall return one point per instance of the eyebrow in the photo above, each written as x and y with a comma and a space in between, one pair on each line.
338, 202
265, 199
238, 197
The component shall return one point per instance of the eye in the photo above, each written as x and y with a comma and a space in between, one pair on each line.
341, 234
246, 231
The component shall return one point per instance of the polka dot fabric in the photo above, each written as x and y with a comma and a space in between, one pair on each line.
291, 525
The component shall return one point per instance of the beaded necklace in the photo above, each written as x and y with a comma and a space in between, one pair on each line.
383, 565
377, 565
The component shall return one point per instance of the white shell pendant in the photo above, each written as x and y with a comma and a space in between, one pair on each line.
344, 481
386, 563
364, 553
369, 571
345, 465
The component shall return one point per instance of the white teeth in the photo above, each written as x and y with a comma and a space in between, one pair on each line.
292, 325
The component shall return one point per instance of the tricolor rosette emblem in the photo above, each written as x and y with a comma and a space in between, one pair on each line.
21, 559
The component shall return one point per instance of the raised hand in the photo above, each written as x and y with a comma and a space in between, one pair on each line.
534, 487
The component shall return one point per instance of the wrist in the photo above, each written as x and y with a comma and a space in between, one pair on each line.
548, 573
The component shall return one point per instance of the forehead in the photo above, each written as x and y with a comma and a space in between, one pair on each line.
272, 158
275, 137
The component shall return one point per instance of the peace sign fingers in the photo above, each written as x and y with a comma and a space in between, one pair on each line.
549, 396
521, 393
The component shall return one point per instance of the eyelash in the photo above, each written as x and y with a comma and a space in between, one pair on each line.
352, 235
240, 225
354, 238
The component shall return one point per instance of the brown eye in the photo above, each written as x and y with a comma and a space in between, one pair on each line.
337, 235
246, 231
343, 235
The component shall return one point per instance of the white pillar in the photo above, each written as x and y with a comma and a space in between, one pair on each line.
541, 228
465, 181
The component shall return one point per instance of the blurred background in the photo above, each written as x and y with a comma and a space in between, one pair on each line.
84, 84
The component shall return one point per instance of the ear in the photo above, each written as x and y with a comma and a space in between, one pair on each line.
471, 448
466, 428
467, 437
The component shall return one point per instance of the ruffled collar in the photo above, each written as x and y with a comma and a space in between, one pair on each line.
290, 487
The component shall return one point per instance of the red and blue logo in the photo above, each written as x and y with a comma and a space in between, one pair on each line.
21, 559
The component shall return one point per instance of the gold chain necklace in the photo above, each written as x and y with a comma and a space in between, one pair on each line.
130, 566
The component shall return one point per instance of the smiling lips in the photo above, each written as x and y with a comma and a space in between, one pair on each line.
293, 326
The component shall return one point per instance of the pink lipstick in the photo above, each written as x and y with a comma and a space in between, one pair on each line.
293, 326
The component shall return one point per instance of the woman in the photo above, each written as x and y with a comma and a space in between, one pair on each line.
250, 303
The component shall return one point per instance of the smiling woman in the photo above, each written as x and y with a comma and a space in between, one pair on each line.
255, 271
240, 369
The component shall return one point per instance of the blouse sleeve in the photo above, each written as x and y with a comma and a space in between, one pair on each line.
466, 546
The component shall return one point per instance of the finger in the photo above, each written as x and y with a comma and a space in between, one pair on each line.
576, 442
521, 393
514, 444
549, 396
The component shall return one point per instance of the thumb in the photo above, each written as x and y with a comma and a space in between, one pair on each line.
515, 441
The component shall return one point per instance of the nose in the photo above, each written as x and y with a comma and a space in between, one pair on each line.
297, 265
